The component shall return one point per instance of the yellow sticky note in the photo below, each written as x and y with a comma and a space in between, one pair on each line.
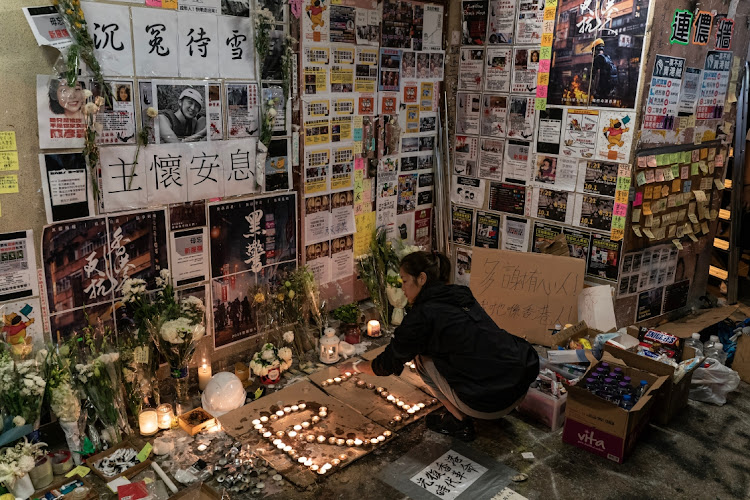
169, 4
144, 453
258, 393
8, 184
81, 470
8, 160
8, 141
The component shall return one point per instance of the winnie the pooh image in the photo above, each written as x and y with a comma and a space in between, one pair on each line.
315, 13
14, 329
614, 133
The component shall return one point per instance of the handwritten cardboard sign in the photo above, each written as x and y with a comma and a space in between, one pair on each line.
527, 293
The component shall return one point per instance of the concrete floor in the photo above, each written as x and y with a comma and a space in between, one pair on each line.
703, 454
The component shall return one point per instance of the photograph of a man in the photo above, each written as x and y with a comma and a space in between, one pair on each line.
182, 115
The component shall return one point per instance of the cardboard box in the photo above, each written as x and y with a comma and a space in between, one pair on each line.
133, 442
674, 397
741, 363
195, 421
601, 427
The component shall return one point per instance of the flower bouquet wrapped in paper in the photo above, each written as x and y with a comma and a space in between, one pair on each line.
64, 398
21, 391
15, 465
373, 269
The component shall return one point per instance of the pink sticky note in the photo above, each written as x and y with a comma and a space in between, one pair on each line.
153, 3
359, 164
541, 91
544, 66
620, 209
638, 199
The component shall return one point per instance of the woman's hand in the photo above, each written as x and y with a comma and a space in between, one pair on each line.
361, 367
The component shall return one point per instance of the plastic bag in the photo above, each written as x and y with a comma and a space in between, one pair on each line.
712, 384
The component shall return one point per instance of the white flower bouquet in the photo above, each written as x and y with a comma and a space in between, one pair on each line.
64, 398
21, 388
18, 461
269, 363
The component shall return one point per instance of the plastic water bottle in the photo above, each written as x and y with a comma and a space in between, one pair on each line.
695, 343
618, 373
709, 344
716, 351
626, 403
643, 388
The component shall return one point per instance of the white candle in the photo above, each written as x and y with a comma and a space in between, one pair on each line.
166, 416
373, 328
148, 422
204, 375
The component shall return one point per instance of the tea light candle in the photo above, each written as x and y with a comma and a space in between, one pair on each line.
287, 448
264, 419
295, 408
308, 462
335, 461
287, 409
267, 434
310, 438
374, 441
277, 441
315, 419
373, 328
387, 433
148, 422
329, 381
305, 425
350, 442
348, 374
343, 457
255, 422
321, 439
302, 460
204, 375
166, 415
292, 434
357, 442
391, 398
297, 428
331, 440
302, 406
202, 447
340, 441
381, 438
280, 413
337, 380
314, 467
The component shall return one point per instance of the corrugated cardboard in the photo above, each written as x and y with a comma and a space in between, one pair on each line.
674, 397
741, 362
601, 427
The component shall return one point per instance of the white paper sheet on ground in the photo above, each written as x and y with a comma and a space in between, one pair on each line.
596, 309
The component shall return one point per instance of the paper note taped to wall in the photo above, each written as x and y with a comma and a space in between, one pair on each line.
527, 294
8, 184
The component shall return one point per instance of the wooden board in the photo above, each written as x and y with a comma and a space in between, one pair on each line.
343, 421
408, 375
369, 402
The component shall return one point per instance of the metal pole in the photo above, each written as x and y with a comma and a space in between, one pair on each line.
738, 177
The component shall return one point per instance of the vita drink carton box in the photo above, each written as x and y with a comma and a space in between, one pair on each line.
600, 426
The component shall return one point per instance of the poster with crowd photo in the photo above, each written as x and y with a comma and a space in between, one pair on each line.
497, 69
234, 308
502, 22
598, 178
593, 212
474, 22
584, 71
390, 70
487, 232
278, 167
552, 205
604, 258
578, 242
248, 235
367, 23
462, 223
398, 16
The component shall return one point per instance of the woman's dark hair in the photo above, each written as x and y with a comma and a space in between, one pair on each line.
54, 104
435, 266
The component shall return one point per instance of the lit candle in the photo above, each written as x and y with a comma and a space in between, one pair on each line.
350, 442
287, 448
331, 440
255, 422
242, 371
335, 461
308, 462
302, 406
313, 467
343, 457
357, 442
287, 409
310, 438
315, 419
204, 375
267, 434
166, 416
321, 439
381, 438
302, 460
340, 441
292, 434
387, 433
373, 328
264, 419
305, 425
258, 426
297, 428
374, 441
280, 413
348, 374
202, 447
148, 422
337, 380
295, 408
390, 397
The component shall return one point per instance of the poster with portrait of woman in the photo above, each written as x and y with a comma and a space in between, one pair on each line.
60, 113
118, 116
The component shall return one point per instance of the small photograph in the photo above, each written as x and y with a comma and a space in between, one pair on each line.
241, 8
341, 200
408, 65
272, 69
182, 113
317, 204
423, 65
546, 169
436, 66
124, 92
426, 143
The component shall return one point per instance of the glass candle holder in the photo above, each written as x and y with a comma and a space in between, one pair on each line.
148, 423
166, 416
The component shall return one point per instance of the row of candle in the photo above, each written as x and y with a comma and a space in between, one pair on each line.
296, 432
397, 402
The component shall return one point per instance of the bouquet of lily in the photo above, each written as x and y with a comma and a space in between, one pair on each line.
96, 370
21, 387
270, 361
18, 461
174, 326
64, 399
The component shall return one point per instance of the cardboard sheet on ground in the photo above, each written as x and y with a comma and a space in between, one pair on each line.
527, 293
408, 375
684, 328
343, 421
369, 403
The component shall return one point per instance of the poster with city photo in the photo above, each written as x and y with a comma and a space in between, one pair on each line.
603, 47
248, 235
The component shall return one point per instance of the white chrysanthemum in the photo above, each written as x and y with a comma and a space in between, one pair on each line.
288, 337
65, 403
285, 365
26, 463
271, 113
151, 112
268, 355
285, 354
19, 421
90, 108
87, 93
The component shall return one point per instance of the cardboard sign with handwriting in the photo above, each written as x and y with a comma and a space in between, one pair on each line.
527, 293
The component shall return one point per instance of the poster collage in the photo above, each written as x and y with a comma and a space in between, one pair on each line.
179, 203
371, 76
526, 173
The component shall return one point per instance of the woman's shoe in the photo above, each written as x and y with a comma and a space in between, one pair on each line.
449, 425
